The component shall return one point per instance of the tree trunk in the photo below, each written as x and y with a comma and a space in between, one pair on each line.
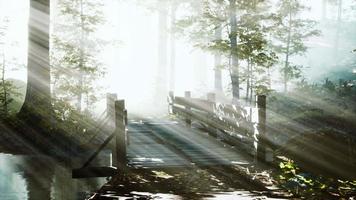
37, 105
249, 77
338, 28
251, 86
286, 62
173, 47
323, 14
217, 63
162, 51
269, 75
235, 63
81, 62
3, 81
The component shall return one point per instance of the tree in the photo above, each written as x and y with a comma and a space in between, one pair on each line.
76, 67
255, 50
199, 32
37, 105
291, 35
339, 4
218, 86
163, 10
204, 27
8, 90
235, 82
173, 12
324, 4
240, 42
4, 95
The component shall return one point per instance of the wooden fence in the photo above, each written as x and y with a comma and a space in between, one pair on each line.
116, 141
234, 123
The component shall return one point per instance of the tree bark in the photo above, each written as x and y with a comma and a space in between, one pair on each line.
269, 75
235, 62
324, 13
217, 63
37, 105
338, 28
251, 86
3, 81
286, 62
161, 83
248, 80
173, 47
81, 62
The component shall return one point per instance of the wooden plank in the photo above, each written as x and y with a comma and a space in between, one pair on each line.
263, 150
194, 103
121, 135
188, 108
225, 110
96, 153
221, 123
179, 146
194, 144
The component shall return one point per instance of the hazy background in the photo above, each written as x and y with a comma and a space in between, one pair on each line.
131, 62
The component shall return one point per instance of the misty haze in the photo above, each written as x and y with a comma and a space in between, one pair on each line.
177, 99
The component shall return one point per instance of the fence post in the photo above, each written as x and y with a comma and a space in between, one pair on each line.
170, 102
211, 97
263, 151
110, 108
188, 121
121, 136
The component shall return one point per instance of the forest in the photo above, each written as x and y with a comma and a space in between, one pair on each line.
177, 99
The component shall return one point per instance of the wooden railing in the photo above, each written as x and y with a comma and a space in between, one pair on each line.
116, 141
236, 123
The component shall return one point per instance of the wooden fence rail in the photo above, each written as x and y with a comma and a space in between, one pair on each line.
233, 120
117, 141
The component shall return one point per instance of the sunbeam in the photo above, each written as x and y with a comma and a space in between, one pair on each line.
177, 99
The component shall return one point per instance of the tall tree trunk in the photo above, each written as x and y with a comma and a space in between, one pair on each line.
173, 47
81, 61
251, 86
338, 28
37, 105
324, 12
235, 62
248, 79
217, 63
162, 50
269, 79
286, 62
3, 81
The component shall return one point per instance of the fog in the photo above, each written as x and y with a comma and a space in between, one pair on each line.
132, 57
220, 97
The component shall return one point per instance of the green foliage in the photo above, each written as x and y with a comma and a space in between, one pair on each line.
290, 36
292, 72
292, 29
309, 186
73, 123
9, 92
342, 90
75, 64
253, 25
